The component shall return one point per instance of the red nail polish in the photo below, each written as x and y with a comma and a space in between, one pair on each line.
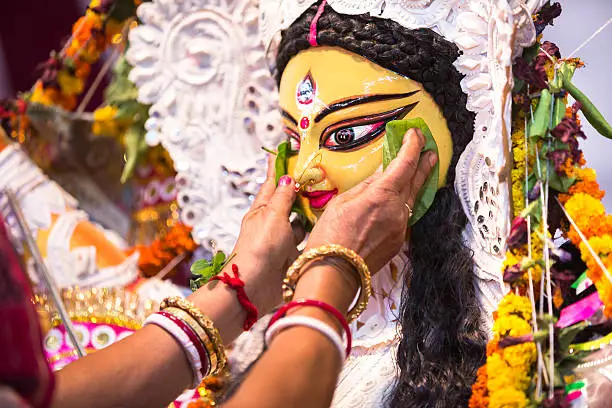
285, 181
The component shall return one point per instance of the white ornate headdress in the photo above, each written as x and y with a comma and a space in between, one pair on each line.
209, 102
201, 65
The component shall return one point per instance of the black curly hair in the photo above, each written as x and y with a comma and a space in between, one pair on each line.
442, 343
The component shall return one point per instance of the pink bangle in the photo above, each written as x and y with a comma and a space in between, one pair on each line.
193, 338
282, 311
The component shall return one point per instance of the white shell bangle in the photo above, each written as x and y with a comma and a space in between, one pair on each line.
310, 322
181, 337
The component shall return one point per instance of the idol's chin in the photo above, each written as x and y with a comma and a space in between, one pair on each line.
312, 215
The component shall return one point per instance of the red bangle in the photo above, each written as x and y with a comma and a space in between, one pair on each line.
282, 311
238, 285
193, 337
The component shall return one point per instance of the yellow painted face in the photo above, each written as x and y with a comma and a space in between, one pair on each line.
335, 106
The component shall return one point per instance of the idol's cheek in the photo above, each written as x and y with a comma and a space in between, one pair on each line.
291, 163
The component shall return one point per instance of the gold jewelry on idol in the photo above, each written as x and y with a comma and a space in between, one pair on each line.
365, 279
211, 340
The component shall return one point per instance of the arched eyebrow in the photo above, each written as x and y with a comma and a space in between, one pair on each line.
359, 100
288, 116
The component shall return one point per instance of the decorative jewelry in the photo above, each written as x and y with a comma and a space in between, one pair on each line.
180, 334
409, 210
282, 311
238, 285
190, 329
306, 321
293, 274
206, 324
204, 340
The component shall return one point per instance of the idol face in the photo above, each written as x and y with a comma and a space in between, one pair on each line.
335, 106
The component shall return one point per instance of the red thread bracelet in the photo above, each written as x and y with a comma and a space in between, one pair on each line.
238, 285
282, 311
193, 337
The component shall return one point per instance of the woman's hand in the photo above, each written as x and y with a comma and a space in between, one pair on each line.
372, 217
267, 244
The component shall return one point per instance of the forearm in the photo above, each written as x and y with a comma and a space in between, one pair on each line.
148, 369
301, 367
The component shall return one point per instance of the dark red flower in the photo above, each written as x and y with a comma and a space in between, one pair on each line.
509, 341
518, 233
521, 101
546, 16
568, 129
512, 273
532, 74
558, 400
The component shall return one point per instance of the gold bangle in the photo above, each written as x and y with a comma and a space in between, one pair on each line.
213, 361
365, 279
205, 323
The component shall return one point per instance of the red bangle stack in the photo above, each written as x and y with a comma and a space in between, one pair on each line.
193, 337
280, 313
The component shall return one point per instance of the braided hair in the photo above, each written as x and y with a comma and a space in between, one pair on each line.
442, 344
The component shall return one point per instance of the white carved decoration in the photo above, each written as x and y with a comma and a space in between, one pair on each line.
201, 66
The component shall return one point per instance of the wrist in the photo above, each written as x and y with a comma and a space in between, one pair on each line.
330, 280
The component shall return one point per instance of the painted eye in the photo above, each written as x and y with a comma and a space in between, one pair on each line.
348, 137
294, 140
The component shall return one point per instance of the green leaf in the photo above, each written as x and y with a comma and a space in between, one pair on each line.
218, 260
568, 334
590, 111
558, 112
199, 265
530, 53
539, 127
135, 147
206, 269
395, 132
280, 164
555, 181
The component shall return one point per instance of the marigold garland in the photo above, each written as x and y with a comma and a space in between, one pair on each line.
162, 251
65, 73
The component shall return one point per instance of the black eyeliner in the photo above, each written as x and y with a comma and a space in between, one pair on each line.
366, 139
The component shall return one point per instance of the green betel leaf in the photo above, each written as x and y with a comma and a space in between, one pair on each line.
395, 132
280, 165
218, 260
199, 265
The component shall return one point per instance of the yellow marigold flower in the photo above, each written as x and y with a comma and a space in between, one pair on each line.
42, 96
510, 260
70, 85
499, 374
511, 325
105, 122
516, 305
537, 246
583, 208
508, 398
520, 356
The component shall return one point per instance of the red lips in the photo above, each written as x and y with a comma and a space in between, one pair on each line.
318, 199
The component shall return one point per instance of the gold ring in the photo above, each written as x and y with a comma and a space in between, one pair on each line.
409, 210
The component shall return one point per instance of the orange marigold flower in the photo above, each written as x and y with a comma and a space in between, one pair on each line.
45, 96
480, 393
82, 29
558, 297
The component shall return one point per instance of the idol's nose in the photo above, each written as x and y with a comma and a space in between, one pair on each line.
308, 171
